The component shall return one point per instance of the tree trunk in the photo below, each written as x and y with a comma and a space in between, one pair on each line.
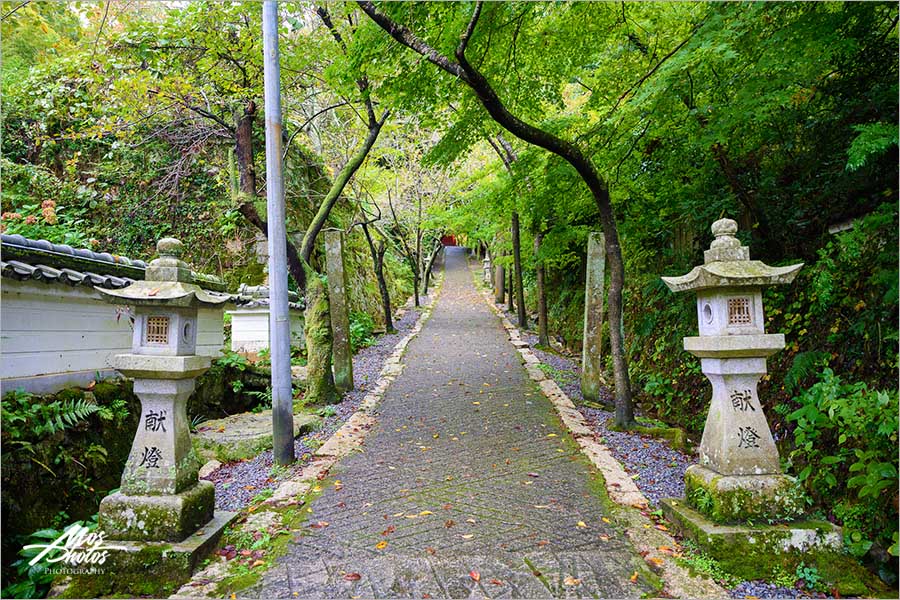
510, 293
517, 262
378, 261
543, 333
243, 150
320, 388
430, 264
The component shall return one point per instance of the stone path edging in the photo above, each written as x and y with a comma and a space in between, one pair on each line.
348, 438
655, 545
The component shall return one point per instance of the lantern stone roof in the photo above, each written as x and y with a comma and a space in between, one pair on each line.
727, 264
257, 296
168, 282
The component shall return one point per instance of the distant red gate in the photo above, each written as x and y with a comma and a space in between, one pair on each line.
448, 240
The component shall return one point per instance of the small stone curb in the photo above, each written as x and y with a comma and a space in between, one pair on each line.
348, 438
646, 538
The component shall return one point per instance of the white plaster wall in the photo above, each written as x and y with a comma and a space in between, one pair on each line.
250, 329
53, 335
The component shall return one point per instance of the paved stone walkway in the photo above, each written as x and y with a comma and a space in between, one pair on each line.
468, 470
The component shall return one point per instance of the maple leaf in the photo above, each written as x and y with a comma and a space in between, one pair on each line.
449, 523
352, 576
431, 550
475, 575
381, 545
496, 582
391, 529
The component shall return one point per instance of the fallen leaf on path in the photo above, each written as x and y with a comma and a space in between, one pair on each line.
662, 527
551, 435
391, 529
633, 578
430, 550
319, 525
476, 403
449, 523
381, 545
467, 536
426, 512
604, 537
571, 581
470, 520
605, 520
496, 582
257, 563
475, 575
352, 576
447, 506
656, 561
533, 475
543, 543
581, 524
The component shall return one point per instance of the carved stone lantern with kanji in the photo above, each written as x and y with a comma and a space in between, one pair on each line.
739, 475
161, 498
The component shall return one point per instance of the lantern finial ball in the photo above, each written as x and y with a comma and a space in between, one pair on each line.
724, 227
169, 247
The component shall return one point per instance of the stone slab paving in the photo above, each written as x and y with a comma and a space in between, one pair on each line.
467, 475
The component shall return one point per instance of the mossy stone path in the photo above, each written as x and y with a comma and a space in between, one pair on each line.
468, 487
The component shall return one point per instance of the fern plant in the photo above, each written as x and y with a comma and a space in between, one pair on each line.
22, 416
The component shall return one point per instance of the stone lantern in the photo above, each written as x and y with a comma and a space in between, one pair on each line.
161, 498
739, 465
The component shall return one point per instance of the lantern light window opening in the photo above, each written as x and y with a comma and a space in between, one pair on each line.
157, 331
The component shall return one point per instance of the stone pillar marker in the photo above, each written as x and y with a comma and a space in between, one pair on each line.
486, 269
592, 349
499, 284
161, 499
341, 355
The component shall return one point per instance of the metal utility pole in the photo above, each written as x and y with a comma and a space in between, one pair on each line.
279, 323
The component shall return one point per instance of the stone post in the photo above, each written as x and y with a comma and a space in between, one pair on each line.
499, 284
341, 354
486, 269
592, 348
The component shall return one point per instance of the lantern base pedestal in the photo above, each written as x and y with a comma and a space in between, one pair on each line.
739, 498
150, 569
163, 518
763, 551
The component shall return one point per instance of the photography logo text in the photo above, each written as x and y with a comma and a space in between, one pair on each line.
77, 546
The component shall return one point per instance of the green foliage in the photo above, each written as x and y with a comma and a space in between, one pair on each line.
327, 411
695, 560
24, 418
809, 575
873, 139
361, 328
845, 440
